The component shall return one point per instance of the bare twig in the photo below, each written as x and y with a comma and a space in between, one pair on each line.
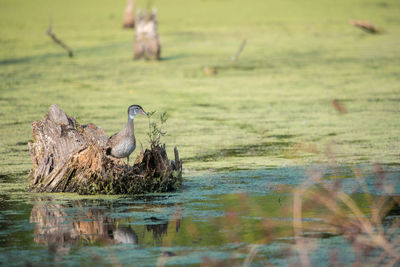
50, 33
236, 56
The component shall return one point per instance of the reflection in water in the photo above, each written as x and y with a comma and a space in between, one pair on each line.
61, 227
158, 229
233, 219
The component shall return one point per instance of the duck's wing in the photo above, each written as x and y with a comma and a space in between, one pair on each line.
111, 141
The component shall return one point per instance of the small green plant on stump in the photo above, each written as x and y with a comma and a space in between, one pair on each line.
156, 130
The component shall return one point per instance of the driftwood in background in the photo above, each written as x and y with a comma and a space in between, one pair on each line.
50, 33
147, 42
365, 26
339, 106
129, 14
68, 157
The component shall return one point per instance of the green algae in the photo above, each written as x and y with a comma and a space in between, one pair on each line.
295, 62
250, 150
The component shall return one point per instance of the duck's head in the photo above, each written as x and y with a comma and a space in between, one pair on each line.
134, 110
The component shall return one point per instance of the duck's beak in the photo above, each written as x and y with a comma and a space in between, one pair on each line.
144, 113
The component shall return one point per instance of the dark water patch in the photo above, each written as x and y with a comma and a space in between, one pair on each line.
10, 164
108, 107
16, 123
11, 177
236, 67
253, 150
207, 105
354, 141
382, 4
9, 100
95, 50
18, 149
395, 99
172, 57
244, 67
251, 128
225, 169
394, 164
4, 177
190, 34
212, 118
103, 117
319, 235
22, 143
283, 136
30, 59
77, 52
14, 214
3, 202
346, 100
395, 209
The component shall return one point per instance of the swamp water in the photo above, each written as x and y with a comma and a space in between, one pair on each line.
217, 216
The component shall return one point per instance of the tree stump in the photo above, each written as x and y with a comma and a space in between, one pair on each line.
129, 14
69, 157
147, 42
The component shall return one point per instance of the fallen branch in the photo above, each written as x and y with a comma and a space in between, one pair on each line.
50, 33
365, 26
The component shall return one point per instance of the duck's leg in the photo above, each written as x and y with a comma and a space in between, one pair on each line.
127, 160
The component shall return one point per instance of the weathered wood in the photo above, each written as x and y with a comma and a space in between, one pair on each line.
129, 14
147, 42
177, 163
69, 157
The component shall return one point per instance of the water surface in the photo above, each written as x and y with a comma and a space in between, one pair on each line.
216, 216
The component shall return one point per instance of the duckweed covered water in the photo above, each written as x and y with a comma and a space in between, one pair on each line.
246, 135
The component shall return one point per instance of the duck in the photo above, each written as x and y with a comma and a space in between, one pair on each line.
123, 143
